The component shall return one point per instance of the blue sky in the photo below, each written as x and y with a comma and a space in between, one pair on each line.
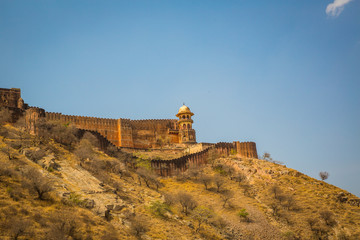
282, 73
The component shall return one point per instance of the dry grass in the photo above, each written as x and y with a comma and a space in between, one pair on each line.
300, 198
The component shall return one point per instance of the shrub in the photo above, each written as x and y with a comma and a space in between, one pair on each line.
201, 215
244, 215
186, 201
84, 150
91, 139
206, 180
35, 155
328, 217
324, 175
62, 133
138, 226
219, 182
226, 196
37, 183
158, 208
169, 199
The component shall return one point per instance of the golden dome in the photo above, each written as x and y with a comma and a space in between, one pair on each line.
184, 110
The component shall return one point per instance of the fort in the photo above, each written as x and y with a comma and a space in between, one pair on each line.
131, 134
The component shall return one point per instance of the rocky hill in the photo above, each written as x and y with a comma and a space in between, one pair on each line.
57, 186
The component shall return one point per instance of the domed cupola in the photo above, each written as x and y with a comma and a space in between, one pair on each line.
186, 133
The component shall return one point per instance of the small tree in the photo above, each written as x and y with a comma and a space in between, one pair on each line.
38, 184
148, 177
206, 180
219, 182
201, 215
84, 149
18, 227
276, 190
91, 138
328, 217
226, 196
324, 175
186, 201
138, 226
239, 177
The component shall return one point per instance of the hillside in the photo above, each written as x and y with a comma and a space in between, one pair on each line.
56, 186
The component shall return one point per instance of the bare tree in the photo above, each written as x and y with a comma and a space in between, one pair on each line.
186, 201
328, 217
276, 190
37, 183
324, 175
226, 196
84, 150
138, 226
91, 138
64, 225
169, 199
149, 177
35, 155
219, 182
206, 180
239, 177
201, 215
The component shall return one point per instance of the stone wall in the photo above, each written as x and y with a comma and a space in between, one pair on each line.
125, 132
10, 97
170, 167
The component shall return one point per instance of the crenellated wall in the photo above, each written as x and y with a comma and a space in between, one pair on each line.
170, 167
105, 126
125, 132
246, 149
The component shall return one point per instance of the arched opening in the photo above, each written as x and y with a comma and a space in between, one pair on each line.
188, 126
184, 126
187, 116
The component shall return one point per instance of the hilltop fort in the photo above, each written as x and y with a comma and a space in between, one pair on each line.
123, 133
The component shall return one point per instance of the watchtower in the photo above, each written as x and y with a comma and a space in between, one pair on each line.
186, 132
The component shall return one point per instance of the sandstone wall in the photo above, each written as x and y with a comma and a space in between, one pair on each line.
170, 167
106, 127
9, 97
124, 132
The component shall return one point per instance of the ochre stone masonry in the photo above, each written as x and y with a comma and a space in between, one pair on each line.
170, 167
134, 134
125, 133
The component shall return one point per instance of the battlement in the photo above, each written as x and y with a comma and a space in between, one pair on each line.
124, 132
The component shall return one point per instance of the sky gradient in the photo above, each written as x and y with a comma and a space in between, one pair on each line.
284, 74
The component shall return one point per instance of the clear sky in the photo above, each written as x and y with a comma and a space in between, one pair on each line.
283, 73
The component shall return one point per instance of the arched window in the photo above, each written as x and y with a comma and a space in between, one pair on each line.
188, 126
184, 126
187, 116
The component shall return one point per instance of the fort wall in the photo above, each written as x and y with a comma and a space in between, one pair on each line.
108, 128
170, 167
124, 132
10, 97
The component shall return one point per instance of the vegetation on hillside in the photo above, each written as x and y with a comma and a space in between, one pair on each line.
59, 185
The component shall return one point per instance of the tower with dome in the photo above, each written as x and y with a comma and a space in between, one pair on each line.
186, 132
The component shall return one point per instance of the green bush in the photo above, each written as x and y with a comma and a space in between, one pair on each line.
159, 208
244, 215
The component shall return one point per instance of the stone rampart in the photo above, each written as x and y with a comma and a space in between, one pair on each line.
108, 128
170, 167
